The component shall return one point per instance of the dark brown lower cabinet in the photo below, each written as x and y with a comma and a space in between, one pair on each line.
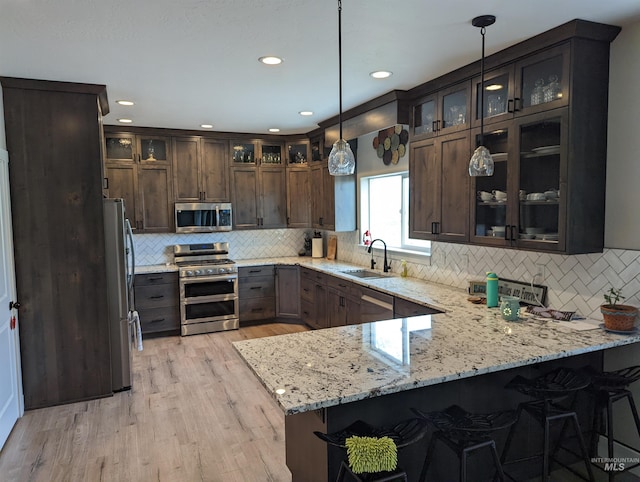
157, 300
287, 292
53, 132
256, 293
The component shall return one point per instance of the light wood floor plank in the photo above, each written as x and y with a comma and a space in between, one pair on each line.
195, 413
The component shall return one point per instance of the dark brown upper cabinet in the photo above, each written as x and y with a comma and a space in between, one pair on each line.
201, 169
442, 112
537, 83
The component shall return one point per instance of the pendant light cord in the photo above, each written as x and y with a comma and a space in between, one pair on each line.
340, 63
482, 31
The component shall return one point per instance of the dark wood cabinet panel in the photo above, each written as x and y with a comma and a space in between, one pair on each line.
298, 197
273, 197
122, 182
439, 188
53, 138
424, 189
287, 292
214, 170
244, 182
186, 160
154, 188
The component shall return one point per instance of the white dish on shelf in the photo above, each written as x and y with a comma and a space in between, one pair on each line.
536, 196
546, 150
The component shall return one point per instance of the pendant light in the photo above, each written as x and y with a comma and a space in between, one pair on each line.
481, 163
341, 159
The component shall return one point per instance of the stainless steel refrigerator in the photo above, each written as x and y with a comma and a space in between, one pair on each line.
120, 266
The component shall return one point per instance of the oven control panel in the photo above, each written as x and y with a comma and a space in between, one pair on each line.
193, 272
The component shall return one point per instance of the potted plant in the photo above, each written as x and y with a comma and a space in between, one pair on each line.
617, 317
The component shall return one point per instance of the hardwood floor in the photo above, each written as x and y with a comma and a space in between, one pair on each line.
196, 413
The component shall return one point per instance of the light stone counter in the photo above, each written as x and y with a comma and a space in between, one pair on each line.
335, 366
156, 268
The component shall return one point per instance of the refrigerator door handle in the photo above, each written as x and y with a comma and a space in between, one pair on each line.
133, 262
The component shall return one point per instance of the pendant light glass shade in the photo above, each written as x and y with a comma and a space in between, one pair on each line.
481, 163
341, 159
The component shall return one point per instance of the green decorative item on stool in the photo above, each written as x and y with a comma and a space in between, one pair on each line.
371, 454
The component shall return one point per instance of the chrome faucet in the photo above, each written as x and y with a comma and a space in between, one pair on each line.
386, 266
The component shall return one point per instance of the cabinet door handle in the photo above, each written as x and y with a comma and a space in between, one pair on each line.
204, 195
156, 297
255, 271
507, 232
256, 288
514, 232
105, 183
434, 126
157, 320
510, 106
517, 104
321, 221
433, 228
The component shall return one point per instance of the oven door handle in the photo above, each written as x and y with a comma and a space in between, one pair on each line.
198, 300
207, 279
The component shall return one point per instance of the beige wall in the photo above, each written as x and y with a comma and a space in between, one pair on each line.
622, 221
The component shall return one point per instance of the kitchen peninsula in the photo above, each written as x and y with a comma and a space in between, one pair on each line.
325, 379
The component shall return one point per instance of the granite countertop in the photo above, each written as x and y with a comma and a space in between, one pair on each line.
323, 368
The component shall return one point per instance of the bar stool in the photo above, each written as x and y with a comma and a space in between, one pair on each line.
403, 434
549, 390
608, 388
463, 433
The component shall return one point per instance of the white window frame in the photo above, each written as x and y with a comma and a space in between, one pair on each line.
418, 246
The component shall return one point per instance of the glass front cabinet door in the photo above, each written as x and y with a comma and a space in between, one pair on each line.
522, 204
443, 112
542, 183
492, 210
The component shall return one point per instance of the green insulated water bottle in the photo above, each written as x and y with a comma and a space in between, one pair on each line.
492, 290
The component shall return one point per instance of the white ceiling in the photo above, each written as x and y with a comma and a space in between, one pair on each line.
188, 62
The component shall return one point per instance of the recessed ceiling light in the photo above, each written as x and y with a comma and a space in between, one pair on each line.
206, 126
270, 60
380, 74
274, 129
305, 112
125, 121
124, 102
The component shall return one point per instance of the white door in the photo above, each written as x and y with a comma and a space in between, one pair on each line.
11, 404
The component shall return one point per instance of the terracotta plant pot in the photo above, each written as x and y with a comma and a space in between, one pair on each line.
619, 317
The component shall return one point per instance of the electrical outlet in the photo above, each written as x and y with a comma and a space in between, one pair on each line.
541, 272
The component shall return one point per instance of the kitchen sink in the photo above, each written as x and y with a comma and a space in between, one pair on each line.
364, 273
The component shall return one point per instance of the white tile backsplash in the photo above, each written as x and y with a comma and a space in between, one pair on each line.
576, 282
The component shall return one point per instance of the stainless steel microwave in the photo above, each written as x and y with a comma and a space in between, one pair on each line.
203, 217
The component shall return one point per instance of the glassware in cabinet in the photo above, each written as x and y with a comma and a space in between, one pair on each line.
154, 148
271, 154
120, 147
243, 152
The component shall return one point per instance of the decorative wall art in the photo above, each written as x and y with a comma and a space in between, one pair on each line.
391, 144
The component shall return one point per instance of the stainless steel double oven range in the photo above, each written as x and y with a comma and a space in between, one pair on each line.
208, 288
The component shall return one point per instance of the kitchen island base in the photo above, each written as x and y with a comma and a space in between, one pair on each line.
312, 460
